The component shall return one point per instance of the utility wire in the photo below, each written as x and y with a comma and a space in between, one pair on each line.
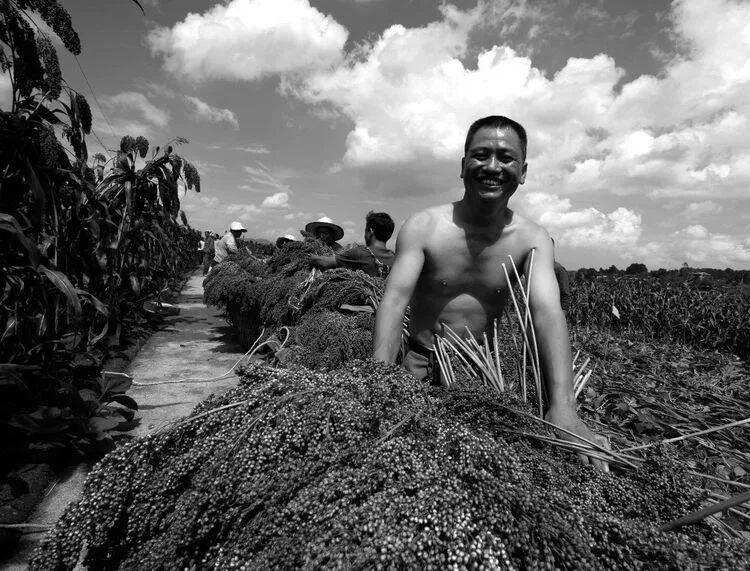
83, 73
93, 94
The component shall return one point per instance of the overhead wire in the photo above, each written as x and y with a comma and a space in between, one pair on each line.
85, 78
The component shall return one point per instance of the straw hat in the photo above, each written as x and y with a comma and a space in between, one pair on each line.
281, 240
325, 222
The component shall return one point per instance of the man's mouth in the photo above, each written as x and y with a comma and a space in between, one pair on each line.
490, 182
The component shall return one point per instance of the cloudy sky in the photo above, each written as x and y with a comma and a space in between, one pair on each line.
638, 111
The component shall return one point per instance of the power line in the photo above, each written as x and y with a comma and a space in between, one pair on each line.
83, 73
93, 94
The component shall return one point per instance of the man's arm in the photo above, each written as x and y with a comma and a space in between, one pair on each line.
324, 262
554, 348
399, 288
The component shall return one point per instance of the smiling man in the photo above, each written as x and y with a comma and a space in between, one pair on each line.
448, 266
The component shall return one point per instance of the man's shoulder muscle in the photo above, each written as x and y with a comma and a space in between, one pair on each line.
531, 234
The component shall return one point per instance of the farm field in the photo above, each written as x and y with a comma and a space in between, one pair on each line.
299, 456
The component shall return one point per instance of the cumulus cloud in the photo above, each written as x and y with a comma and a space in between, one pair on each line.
586, 228
698, 246
683, 133
697, 210
410, 94
278, 200
134, 102
194, 202
261, 177
242, 211
250, 39
202, 111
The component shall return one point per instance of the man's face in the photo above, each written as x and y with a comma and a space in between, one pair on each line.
494, 164
325, 235
236, 234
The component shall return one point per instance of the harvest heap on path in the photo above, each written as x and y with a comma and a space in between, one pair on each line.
261, 296
366, 467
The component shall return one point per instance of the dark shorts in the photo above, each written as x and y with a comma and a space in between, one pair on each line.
420, 361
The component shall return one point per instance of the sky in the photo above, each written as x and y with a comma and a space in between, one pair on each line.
637, 112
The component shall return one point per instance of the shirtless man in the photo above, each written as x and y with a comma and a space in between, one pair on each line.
448, 265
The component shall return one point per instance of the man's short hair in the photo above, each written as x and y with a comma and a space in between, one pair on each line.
498, 122
381, 225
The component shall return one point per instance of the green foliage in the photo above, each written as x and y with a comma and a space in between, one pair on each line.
714, 318
647, 391
366, 468
78, 259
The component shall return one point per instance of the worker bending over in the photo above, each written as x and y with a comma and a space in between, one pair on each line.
325, 231
228, 243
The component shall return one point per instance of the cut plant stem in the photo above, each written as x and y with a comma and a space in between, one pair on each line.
526, 341
691, 435
717, 479
701, 514
599, 447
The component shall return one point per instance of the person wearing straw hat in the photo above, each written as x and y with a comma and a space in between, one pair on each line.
374, 258
449, 270
228, 243
327, 232
285, 239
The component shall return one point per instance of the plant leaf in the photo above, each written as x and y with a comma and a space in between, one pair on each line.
125, 400
9, 224
61, 282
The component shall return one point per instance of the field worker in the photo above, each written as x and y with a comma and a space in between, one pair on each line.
374, 258
228, 242
208, 251
563, 282
448, 266
327, 232
285, 239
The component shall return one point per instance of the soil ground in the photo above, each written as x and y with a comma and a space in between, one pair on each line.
194, 344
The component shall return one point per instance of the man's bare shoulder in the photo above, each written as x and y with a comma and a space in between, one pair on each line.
428, 219
529, 231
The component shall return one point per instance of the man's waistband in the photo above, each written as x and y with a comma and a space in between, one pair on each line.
419, 348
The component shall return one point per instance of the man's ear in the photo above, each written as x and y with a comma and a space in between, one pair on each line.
463, 161
522, 178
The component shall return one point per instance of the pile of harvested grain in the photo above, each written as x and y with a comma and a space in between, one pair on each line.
365, 467
328, 339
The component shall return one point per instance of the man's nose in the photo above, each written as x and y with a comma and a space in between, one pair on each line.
493, 164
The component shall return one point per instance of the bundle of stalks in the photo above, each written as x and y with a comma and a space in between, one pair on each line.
480, 359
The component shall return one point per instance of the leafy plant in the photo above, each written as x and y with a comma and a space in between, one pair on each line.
87, 240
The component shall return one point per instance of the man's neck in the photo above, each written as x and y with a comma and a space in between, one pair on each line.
476, 213
374, 243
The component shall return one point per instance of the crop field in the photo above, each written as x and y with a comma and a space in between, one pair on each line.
345, 462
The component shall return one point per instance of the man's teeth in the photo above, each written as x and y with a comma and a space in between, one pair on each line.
490, 181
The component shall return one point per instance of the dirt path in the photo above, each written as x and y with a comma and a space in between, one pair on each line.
197, 344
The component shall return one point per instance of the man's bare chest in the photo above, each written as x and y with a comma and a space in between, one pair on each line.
460, 265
